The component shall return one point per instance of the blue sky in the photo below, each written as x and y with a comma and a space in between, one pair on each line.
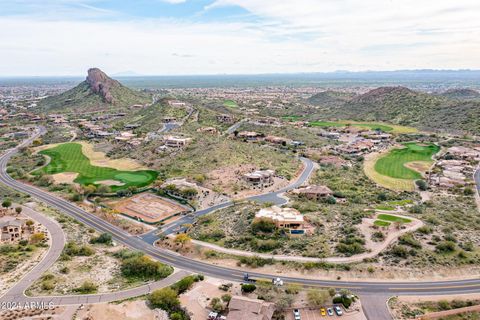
168, 37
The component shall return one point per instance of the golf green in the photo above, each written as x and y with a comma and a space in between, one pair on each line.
230, 104
372, 126
68, 157
393, 164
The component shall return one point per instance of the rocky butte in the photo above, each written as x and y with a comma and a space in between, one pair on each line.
100, 83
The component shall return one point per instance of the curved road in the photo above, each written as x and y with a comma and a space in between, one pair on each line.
374, 294
476, 176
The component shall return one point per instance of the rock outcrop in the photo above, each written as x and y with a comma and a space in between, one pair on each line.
101, 84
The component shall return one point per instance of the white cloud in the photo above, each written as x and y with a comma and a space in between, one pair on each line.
293, 36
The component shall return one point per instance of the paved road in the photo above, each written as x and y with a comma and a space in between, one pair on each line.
57, 242
370, 290
477, 178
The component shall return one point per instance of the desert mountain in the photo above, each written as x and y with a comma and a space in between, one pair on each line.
97, 92
461, 94
407, 107
330, 98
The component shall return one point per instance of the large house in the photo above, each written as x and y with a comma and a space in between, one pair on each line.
12, 229
225, 118
314, 192
289, 219
276, 140
464, 153
176, 142
249, 135
243, 308
259, 178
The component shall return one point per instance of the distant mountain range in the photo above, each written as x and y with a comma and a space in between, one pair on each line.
454, 110
97, 92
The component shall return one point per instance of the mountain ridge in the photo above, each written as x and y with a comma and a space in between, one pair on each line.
97, 92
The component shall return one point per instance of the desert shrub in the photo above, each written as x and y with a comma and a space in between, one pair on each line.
145, 268
166, 299
445, 246
248, 287
72, 249
263, 225
104, 238
86, 287
183, 285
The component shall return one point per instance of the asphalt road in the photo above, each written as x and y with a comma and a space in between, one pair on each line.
371, 290
477, 179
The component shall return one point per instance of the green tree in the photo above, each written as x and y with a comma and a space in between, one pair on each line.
144, 267
248, 287
37, 238
182, 239
217, 305
18, 210
422, 185
184, 284
104, 238
6, 203
102, 189
165, 299
263, 225
87, 190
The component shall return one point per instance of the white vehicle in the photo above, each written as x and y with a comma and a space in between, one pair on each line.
277, 282
338, 310
330, 311
296, 314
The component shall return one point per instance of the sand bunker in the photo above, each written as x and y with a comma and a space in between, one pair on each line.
110, 183
65, 177
99, 159
419, 166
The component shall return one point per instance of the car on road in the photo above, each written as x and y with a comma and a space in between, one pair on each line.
296, 314
338, 310
323, 312
330, 311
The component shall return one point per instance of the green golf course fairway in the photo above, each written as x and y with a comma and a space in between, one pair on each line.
372, 126
230, 104
393, 164
68, 157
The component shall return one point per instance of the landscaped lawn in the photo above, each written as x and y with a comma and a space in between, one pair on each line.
68, 157
370, 125
380, 223
393, 164
230, 104
385, 207
392, 218
400, 202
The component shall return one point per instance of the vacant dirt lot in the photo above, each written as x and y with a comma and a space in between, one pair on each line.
130, 310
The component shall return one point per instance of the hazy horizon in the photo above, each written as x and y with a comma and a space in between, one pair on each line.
199, 37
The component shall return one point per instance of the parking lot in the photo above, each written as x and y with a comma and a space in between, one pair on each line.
314, 314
